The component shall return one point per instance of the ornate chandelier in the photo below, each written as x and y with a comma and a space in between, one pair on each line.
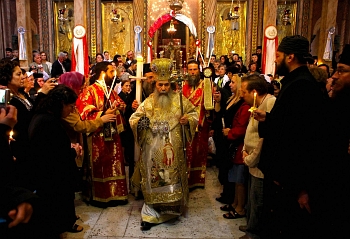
171, 30
286, 16
233, 16
61, 12
115, 16
175, 5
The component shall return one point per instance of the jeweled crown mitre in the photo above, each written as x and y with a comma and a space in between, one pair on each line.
162, 68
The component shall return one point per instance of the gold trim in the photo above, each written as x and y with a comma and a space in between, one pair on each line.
198, 168
110, 198
161, 219
255, 24
103, 180
93, 27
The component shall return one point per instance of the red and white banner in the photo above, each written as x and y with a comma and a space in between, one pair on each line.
269, 50
80, 54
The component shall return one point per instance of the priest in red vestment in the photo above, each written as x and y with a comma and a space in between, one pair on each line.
105, 168
197, 151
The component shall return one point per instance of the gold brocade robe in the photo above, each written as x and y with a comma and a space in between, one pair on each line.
162, 164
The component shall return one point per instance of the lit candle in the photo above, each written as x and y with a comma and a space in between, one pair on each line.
139, 69
254, 104
10, 136
252, 109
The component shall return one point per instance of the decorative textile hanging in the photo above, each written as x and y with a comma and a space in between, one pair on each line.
138, 45
210, 30
328, 51
80, 59
22, 44
269, 50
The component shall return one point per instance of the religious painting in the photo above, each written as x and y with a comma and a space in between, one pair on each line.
117, 28
230, 32
64, 25
286, 19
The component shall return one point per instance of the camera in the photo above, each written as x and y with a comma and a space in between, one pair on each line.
4, 97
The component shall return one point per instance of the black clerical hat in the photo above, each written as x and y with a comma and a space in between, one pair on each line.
345, 56
38, 75
146, 68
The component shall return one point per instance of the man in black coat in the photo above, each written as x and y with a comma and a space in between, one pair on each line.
335, 201
59, 66
293, 143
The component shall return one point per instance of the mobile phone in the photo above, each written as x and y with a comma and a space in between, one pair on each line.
4, 97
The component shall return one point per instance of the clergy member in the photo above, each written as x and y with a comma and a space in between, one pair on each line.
157, 125
107, 180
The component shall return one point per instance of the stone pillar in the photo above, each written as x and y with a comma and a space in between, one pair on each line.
270, 10
23, 20
328, 20
79, 12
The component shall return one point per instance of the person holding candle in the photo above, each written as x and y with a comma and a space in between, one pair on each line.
11, 76
108, 182
255, 92
294, 138
225, 110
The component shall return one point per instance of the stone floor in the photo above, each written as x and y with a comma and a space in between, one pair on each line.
204, 218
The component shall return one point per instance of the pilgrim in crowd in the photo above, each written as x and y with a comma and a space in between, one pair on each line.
282, 140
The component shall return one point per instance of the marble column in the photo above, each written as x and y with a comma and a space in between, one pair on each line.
328, 20
23, 20
80, 7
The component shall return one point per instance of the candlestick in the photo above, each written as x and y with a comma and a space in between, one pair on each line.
139, 69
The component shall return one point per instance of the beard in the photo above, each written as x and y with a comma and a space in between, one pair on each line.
163, 99
147, 88
282, 69
193, 80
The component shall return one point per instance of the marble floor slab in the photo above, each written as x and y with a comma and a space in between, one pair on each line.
204, 219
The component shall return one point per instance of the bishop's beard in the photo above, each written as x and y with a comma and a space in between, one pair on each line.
163, 99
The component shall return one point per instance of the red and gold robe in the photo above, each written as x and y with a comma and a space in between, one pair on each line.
108, 179
197, 151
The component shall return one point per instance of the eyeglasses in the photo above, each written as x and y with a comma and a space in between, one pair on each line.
341, 71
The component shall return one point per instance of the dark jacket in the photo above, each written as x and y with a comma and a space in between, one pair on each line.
293, 132
57, 70
10, 194
54, 162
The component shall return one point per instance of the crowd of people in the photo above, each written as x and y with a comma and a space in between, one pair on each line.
282, 145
